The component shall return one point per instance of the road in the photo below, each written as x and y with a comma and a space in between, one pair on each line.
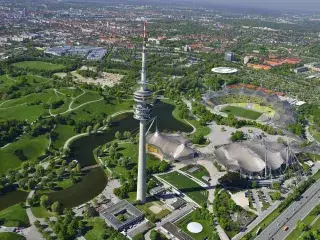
296, 211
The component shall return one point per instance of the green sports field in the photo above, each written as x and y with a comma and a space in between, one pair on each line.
242, 112
187, 186
38, 65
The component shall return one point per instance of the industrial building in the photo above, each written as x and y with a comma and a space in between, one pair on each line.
174, 232
230, 57
132, 215
301, 69
91, 53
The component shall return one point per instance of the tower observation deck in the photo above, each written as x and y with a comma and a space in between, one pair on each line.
142, 112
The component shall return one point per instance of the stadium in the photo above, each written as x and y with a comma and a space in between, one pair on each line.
254, 103
224, 70
255, 158
172, 148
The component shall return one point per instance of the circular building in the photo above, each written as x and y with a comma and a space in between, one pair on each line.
224, 70
194, 227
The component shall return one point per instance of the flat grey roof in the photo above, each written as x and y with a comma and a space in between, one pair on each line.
175, 231
122, 207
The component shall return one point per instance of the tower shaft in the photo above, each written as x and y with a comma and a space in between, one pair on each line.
142, 185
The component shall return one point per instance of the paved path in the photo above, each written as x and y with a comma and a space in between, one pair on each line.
266, 193
70, 140
31, 217
257, 201
32, 232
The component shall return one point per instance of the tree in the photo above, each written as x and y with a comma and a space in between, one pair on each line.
44, 201
89, 129
56, 207
96, 127
155, 235
30, 201
32, 183
276, 195
117, 135
91, 212
254, 184
78, 168
276, 185
302, 226
71, 230
237, 136
25, 165
139, 236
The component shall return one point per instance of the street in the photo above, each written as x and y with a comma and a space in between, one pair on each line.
296, 211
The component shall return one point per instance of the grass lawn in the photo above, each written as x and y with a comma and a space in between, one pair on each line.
202, 171
65, 132
187, 186
100, 107
175, 112
14, 216
31, 147
39, 65
40, 212
242, 112
23, 112
71, 92
206, 232
11, 236
315, 133
64, 107
97, 230
87, 97
316, 225
43, 97
204, 130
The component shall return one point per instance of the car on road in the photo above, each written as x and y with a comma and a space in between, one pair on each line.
285, 228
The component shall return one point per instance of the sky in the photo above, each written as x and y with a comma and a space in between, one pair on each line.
304, 5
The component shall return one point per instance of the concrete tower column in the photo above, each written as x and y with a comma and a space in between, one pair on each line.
142, 184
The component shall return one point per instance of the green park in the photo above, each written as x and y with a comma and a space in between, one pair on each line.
38, 65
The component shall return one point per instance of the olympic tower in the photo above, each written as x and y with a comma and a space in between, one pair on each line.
142, 112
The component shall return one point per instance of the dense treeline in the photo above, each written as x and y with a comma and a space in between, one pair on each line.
225, 209
10, 130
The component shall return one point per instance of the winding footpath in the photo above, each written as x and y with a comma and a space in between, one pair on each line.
70, 109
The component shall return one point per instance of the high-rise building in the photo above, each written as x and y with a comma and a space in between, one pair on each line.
142, 112
229, 56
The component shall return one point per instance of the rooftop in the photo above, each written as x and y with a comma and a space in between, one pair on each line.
132, 214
